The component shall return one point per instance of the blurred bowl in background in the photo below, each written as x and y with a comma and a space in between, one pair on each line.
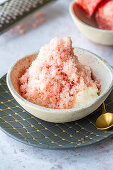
88, 27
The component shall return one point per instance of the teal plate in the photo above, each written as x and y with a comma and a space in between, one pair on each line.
24, 127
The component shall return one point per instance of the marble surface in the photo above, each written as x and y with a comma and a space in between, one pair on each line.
15, 155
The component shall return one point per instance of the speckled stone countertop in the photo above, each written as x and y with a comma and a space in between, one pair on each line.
17, 156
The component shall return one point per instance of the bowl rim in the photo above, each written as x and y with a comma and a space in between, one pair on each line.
83, 23
11, 88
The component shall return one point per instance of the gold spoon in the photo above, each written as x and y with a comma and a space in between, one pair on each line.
105, 120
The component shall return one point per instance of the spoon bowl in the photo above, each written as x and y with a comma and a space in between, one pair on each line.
104, 121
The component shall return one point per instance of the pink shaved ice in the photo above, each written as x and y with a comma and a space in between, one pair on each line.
56, 76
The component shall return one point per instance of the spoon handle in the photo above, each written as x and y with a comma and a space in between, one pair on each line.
103, 108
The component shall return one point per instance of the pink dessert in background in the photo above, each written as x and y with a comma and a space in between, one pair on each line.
104, 15
88, 6
56, 76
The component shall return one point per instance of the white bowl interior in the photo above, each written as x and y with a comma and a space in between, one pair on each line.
100, 70
19, 69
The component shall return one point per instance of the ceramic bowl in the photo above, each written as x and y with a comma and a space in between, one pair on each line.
89, 26
101, 69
